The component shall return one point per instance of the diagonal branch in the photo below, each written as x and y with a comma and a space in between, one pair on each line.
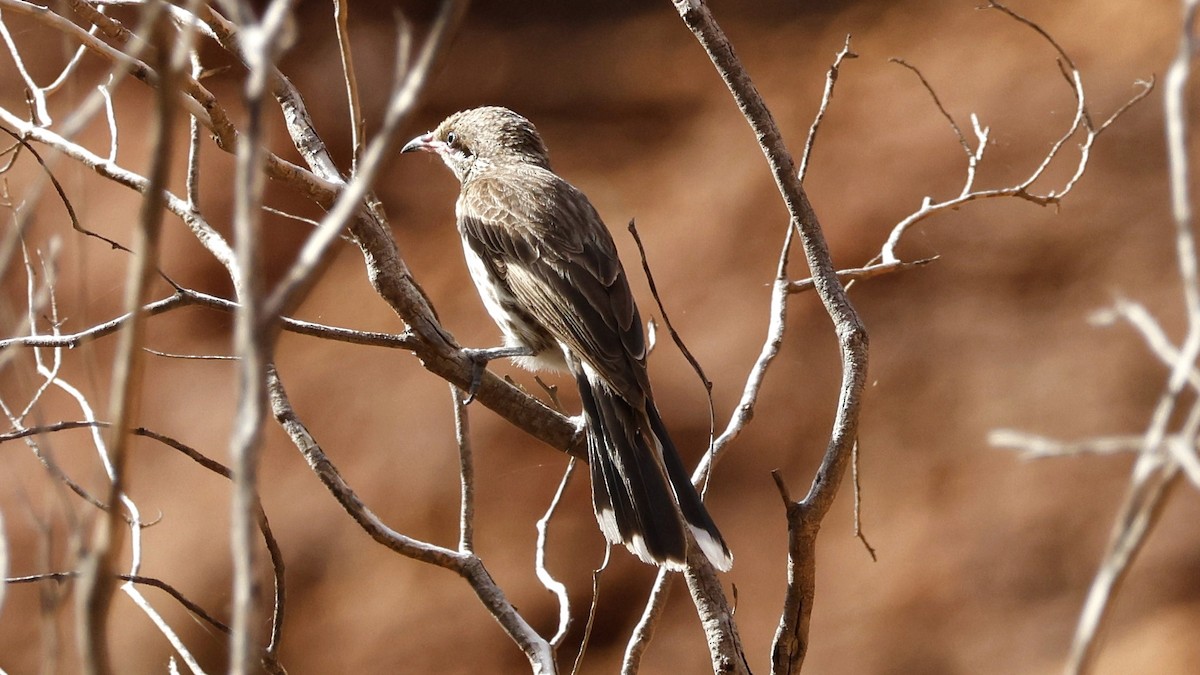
301, 277
467, 565
852, 340
97, 577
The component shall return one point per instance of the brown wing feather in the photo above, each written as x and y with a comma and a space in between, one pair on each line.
564, 270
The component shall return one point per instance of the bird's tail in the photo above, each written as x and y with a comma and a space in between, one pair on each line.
698, 520
641, 501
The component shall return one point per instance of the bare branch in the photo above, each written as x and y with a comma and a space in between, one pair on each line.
190, 357
868, 272
191, 606
1081, 122
1154, 475
264, 43
1038, 447
341, 17
826, 98
62, 193
591, 619
205, 233
1157, 467
852, 337
133, 66
466, 565
279, 600
858, 530
643, 632
96, 586
192, 189
270, 655
301, 276
466, 473
972, 155
687, 354
41, 116
47, 460
543, 573
716, 616
185, 297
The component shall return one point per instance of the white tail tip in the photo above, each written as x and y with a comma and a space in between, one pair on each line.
716, 554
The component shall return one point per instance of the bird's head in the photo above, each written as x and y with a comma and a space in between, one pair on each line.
483, 137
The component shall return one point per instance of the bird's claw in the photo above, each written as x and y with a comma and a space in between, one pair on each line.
479, 361
481, 357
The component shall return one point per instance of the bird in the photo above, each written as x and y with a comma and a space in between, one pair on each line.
547, 270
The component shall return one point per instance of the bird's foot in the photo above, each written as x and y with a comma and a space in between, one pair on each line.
479, 361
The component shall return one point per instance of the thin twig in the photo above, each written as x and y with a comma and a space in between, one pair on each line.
185, 297
687, 354
62, 194
591, 619
1080, 121
98, 567
551, 584
204, 232
466, 473
826, 98
279, 599
139, 69
341, 17
858, 531
962, 140
302, 275
190, 357
192, 183
191, 606
41, 116
868, 272
56, 472
1152, 333
271, 654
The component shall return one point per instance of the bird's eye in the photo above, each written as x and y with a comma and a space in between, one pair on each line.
451, 138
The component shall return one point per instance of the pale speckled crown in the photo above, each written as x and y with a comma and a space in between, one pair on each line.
494, 134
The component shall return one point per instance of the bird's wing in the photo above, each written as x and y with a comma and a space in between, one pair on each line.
544, 239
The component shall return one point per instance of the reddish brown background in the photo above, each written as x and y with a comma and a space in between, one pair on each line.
984, 559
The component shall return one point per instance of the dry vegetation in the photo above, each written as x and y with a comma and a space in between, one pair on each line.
996, 321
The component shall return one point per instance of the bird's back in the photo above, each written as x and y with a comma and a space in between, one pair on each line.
545, 241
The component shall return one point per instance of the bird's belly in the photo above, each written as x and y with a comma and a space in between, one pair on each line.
520, 330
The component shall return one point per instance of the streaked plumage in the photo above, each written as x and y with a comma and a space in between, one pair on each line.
548, 273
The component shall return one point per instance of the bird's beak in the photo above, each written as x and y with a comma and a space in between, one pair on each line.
424, 143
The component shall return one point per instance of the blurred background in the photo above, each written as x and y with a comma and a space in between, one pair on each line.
984, 558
